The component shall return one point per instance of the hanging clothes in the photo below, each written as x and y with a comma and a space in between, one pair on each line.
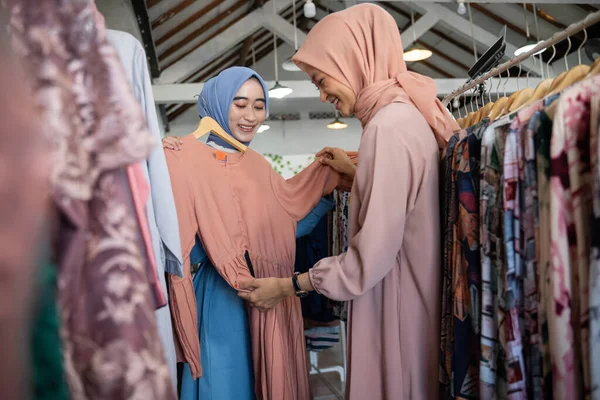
256, 233
103, 290
160, 206
536, 216
312, 246
571, 194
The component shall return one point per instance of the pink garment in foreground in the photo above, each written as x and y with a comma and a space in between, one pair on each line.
361, 47
238, 203
140, 190
391, 270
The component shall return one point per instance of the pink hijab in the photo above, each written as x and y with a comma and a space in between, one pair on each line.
361, 48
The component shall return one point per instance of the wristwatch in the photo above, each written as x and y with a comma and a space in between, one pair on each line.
299, 292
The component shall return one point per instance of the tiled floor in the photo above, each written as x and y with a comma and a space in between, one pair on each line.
321, 390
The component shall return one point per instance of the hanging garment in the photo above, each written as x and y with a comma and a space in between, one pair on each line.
248, 227
103, 291
446, 324
542, 126
571, 204
310, 248
512, 296
492, 372
321, 338
46, 348
466, 278
160, 207
385, 268
139, 192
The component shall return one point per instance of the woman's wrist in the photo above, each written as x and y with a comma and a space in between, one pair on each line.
286, 286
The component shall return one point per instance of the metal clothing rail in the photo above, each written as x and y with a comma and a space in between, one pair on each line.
557, 37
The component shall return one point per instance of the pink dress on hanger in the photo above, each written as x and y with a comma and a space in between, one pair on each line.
242, 209
392, 269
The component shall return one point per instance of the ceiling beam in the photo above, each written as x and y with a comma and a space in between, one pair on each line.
221, 43
185, 92
141, 15
202, 29
188, 21
463, 27
284, 30
421, 26
498, 19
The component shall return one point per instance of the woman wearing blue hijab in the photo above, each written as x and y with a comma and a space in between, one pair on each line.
238, 100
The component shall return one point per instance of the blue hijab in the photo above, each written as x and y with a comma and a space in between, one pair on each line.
217, 96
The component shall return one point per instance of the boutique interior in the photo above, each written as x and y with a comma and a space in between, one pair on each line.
117, 300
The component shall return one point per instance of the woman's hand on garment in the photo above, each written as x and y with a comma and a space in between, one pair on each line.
172, 142
264, 294
337, 159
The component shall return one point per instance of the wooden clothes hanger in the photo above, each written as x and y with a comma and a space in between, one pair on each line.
522, 96
571, 77
485, 111
497, 108
540, 91
595, 69
207, 124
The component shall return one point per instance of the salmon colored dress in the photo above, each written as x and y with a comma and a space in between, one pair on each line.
241, 208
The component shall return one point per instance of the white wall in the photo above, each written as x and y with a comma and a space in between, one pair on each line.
289, 138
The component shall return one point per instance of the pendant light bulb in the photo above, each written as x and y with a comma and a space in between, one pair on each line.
417, 54
310, 11
262, 128
528, 47
461, 10
337, 124
279, 91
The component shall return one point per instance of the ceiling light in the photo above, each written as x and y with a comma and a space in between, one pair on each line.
462, 10
279, 91
262, 128
289, 65
309, 9
337, 124
528, 47
417, 54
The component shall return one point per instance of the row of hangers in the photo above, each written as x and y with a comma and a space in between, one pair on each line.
524, 97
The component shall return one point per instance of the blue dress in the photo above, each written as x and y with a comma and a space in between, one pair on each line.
225, 347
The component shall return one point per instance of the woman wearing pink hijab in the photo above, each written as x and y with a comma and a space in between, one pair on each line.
391, 272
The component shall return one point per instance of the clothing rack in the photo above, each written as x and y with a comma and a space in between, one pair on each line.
556, 38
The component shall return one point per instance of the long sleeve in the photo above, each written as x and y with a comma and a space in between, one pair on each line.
308, 223
183, 300
300, 194
160, 182
387, 182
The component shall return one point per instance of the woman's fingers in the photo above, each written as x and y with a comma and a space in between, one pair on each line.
326, 151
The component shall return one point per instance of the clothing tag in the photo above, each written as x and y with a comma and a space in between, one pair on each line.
220, 155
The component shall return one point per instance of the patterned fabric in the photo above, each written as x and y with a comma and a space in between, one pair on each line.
571, 210
96, 129
466, 277
594, 349
512, 297
492, 372
340, 242
446, 326
542, 126
529, 223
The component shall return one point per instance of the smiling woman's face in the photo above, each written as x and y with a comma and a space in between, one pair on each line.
248, 111
332, 91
